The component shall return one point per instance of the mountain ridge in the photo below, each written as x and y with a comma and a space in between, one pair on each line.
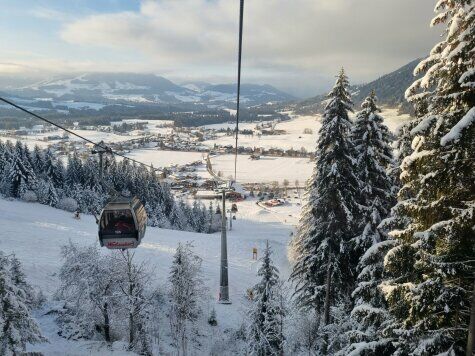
139, 88
389, 89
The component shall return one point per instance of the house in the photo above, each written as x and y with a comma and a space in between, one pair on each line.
38, 128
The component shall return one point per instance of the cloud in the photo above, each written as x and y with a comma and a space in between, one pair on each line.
299, 41
46, 13
11, 68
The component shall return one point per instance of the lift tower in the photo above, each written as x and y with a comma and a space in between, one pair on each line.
223, 277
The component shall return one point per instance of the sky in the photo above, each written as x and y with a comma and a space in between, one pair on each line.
296, 45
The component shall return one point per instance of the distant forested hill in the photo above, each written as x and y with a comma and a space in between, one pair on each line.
389, 88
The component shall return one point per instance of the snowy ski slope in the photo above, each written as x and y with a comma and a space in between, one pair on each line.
35, 233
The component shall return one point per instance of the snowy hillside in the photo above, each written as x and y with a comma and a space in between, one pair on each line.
95, 90
35, 233
389, 89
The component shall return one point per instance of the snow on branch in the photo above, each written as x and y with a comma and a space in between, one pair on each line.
456, 131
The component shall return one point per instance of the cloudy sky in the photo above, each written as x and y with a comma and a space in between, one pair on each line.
296, 45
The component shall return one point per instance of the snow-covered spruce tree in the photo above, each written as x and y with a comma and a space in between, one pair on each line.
368, 333
153, 219
372, 141
37, 160
211, 219
19, 280
5, 158
74, 171
430, 278
267, 312
26, 155
46, 192
20, 174
186, 294
372, 145
17, 327
52, 168
325, 264
90, 172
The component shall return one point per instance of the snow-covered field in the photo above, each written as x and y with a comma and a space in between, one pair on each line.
162, 127
95, 136
30, 141
165, 158
266, 169
294, 136
35, 233
393, 119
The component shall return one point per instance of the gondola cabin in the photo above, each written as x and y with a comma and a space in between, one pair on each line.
122, 223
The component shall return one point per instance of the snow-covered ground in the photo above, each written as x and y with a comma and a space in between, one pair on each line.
35, 233
162, 127
294, 136
266, 169
165, 158
30, 141
393, 119
93, 135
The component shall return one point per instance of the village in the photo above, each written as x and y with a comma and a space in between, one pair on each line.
190, 150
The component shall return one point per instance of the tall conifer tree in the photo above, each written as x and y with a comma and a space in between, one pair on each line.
373, 158
266, 317
430, 270
323, 266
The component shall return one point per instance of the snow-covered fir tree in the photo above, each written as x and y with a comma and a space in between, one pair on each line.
429, 272
19, 280
46, 192
38, 160
74, 173
5, 156
369, 334
324, 265
17, 326
20, 175
265, 330
373, 153
52, 168
186, 294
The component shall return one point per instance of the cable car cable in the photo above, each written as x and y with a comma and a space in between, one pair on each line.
241, 15
108, 149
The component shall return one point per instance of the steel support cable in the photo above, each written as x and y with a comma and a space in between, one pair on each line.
241, 15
